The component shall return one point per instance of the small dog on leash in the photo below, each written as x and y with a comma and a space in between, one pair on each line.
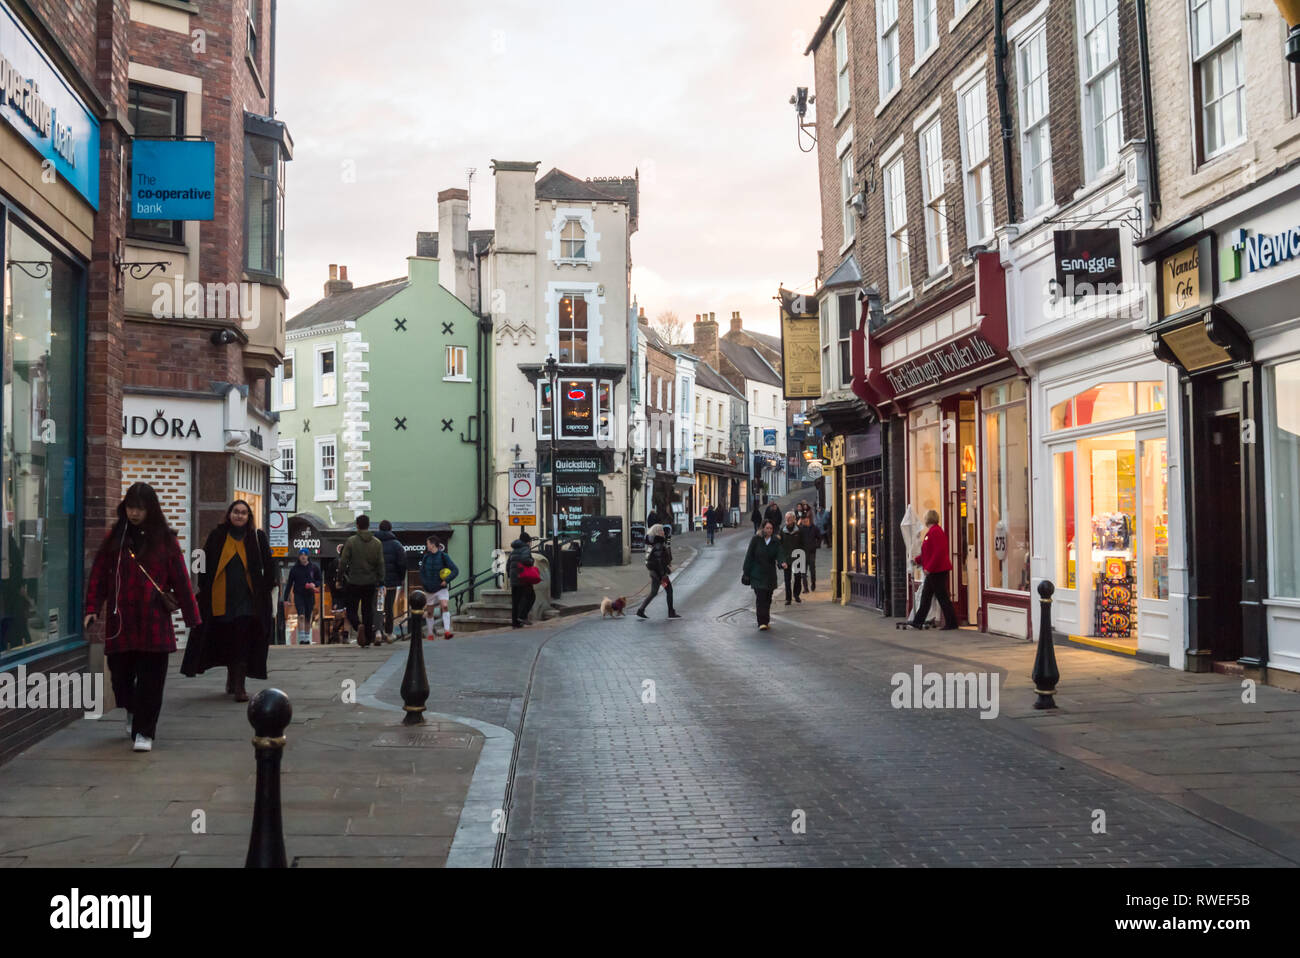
612, 607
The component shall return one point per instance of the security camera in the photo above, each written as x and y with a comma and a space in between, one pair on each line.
223, 337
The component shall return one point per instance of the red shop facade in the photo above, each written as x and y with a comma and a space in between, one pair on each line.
956, 406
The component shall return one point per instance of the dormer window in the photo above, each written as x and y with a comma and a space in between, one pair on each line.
573, 240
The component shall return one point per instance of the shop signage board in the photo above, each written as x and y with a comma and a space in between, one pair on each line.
937, 366
1088, 259
284, 496
1180, 282
801, 357
278, 534
173, 179
576, 489
43, 109
522, 510
1193, 348
585, 464
769, 437
168, 423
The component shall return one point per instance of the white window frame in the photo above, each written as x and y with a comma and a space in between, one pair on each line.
1213, 55
545, 424
897, 251
888, 34
848, 215
975, 232
567, 249
1031, 180
318, 463
937, 251
920, 49
1093, 86
318, 376
575, 295
278, 386
843, 81
291, 447
457, 364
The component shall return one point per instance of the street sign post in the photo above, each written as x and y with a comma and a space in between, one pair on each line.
522, 510
278, 533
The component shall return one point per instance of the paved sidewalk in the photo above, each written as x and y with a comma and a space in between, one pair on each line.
1187, 737
357, 789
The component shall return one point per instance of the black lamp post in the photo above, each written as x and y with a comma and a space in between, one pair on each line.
553, 375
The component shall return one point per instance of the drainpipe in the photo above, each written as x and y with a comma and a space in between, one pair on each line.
271, 39
1004, 109
1149, 120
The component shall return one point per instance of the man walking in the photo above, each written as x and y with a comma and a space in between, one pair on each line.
658, 564
361, 569
791, 536
772, 514
394, 571
712, 517
303, 585
756, 516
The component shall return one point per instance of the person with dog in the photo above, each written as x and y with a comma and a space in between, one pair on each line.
935, 561
138, 568
759, 571
522, 596
658, 564
791, 536
436, 572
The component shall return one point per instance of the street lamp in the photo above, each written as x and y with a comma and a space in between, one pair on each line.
1290, 10
552, 369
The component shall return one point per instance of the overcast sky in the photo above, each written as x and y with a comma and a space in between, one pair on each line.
392, 101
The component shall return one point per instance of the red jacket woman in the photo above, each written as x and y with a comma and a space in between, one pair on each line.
139, 559
934, 555
936, 563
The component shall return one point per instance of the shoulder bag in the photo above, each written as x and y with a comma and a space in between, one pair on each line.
169, 600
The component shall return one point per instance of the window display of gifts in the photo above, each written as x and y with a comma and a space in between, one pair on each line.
1114, 599
1112, 532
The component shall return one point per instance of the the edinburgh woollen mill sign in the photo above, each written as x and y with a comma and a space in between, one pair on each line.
939, 365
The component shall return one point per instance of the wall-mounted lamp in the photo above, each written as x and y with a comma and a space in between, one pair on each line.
1290, 10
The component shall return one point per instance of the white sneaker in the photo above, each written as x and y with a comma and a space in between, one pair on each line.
143, 743
128, 725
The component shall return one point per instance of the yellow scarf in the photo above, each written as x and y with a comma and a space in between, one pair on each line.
233, 547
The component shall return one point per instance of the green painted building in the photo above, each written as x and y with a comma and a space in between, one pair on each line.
382, 397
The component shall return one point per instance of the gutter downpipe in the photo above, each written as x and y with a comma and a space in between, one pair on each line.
1004, 111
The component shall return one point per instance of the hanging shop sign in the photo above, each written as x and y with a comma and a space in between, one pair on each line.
769, 437
173, 179
39, 104
801, 370
284, 496
1088, 262
938, 366
1193, 347
1183, 285
166, 423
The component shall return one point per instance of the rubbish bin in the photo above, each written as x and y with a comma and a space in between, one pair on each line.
570, 559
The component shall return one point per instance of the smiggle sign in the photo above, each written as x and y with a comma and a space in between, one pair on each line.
1250, 253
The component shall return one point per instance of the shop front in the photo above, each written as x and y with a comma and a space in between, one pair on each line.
1228, 285
49, 197
861, 502
947, 374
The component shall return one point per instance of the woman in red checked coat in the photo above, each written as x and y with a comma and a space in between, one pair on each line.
934, 560
140, 558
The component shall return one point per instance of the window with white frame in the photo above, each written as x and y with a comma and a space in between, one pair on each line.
288, 464
545, 409
326, 376
457, 363
896, 248
327, 468
573, 240
846, 314
605, 410
1102, 124
842, 89
887, 46
284, 392
932, 192
573, 328
846, 195
1035, 139
973, 113
1220, 75
925, 27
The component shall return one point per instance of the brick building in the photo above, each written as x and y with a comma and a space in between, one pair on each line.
137, 349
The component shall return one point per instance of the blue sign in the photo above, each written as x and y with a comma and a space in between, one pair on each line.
769, 437
173, 179
35, 101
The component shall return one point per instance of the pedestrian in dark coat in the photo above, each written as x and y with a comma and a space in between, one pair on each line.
437, 571
935, 560
791, 536
812, 540
236, 601
712, 519
522, 596
303, 585
756, 517
759, 571
658, 565
140, 557
772, 514
394, 571
362, 569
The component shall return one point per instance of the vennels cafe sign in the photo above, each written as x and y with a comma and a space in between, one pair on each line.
939, 365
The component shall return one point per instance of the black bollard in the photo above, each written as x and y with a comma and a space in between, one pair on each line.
1045, 674
415, 683
269, 713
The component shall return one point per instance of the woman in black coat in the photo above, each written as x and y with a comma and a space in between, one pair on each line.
759, 572
236, 602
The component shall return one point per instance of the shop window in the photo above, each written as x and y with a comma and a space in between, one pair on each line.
40, 423
264, 205
577, 409
1154, 533
573, 328
1067, 547
1112, 513
925, 460
545, 410
155, 113
1006, 506
1283, 403
1151, 397
327, 468
1106, 402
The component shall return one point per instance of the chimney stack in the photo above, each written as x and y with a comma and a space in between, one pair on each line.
641, 315
454, 264
338, 281
705, 343
735, 321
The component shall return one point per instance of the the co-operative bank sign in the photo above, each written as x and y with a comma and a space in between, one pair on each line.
35, 101
173, 179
